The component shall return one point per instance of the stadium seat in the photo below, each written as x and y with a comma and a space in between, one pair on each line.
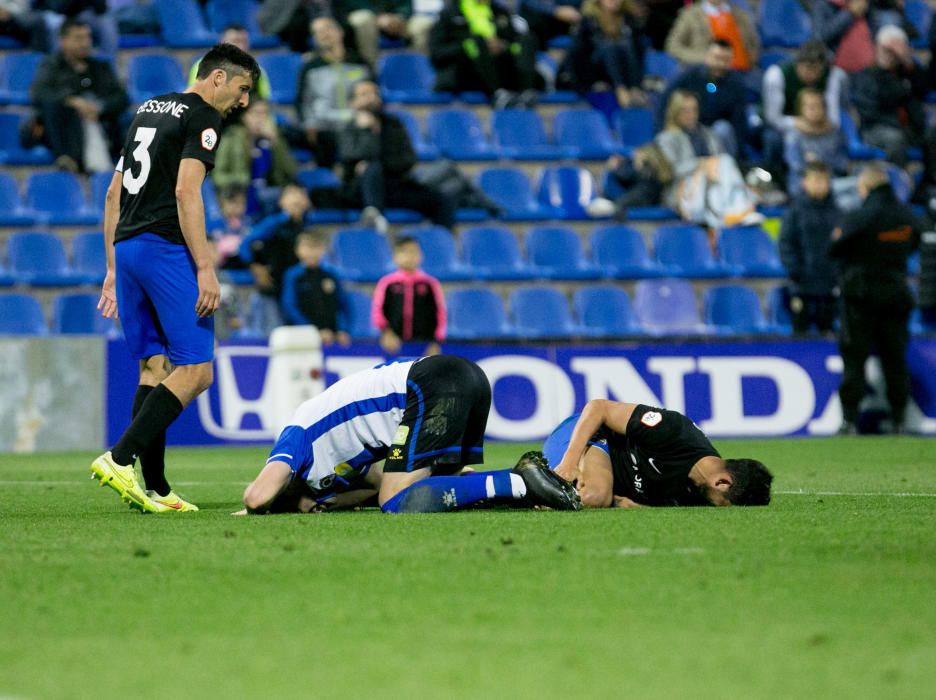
734, 310
221, 13
542, 312
778, 310
282, 70
360, 316
772, 58
440, 254
920, 15
58, 197
151, 74
684, 249
99, 184
659, 64
458, 134
183, 25
519, 135
750, 251
492, 252
612, 189
12, 211
568, 190
605, 311
622, 253
408, 77
318, 178
16, 76
668, 307
21, 314
900, 182
555, 252
510, 189
89, 258
78, 314
783, 23
476, 312
424, 149
11, 152
634, 126
857, 149
38, 259
361, 254
586, 133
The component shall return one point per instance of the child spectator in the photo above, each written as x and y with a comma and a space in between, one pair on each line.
813, 138
233, 203
408, 304
312, 292
804, 248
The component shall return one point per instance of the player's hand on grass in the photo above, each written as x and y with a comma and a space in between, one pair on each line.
209, 293
108, 301
625, 502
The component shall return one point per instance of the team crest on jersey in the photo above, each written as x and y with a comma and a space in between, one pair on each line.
651, 418
209, 139
401, 434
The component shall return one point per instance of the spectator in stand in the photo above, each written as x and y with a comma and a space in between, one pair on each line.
238, 35
847, 28
313, 294
721, 95
290, 20
698, 24
90, 12
660, 18
805, 235
254, 156
409, 304
888, 96
227, 239
479, 45
549, 19
606, 50
324, 86
813, 138
782, 84
18, 21
79, 101
927, 290
707, 187
378, 158
371, 19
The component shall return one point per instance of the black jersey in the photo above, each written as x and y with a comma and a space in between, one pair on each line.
651, 462
164, 130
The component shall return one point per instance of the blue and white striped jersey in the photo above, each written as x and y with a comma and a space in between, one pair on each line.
346, 428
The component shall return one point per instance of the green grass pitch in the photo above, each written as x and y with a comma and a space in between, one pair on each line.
828, 593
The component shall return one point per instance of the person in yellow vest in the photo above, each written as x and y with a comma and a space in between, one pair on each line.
697, 25
238, 35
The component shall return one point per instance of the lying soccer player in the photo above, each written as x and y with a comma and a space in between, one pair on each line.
425, 419
626, 455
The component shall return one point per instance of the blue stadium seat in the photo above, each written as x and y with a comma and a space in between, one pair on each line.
634, 126
458, 134
38, 259
542, 312
659, 64
568, 190
920, 15
668, 307
684, 249
318, 178
99, 184
510, 189
519, 135
12, 211
621, 252
605, 311
360, 313
900, 182
21, 314
778, 310
784, 23
734, 310
183, 25
221, 13
424, 149
492, 252
409, 78
11, 152
555, 252
16, 76
772, 58
587, 132
361, 254
750, 251
58, 197
78, 314
89, 258
857, 149
440, 254
282, 70
151, 74
476, 312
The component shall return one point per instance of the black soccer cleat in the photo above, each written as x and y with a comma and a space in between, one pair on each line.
544, 486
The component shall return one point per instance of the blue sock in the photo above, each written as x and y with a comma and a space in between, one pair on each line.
443, 493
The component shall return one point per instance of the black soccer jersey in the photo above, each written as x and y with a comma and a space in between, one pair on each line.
165, 130
651, 462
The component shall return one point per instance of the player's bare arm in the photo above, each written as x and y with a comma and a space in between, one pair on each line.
108, 301
269, 483
597, 413
595, 481
192, 221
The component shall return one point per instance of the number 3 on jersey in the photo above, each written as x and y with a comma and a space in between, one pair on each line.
144, 138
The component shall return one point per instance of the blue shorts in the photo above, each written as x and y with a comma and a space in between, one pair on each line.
558, 440
157, 290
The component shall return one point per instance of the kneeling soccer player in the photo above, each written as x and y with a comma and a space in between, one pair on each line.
425, 419
628, 455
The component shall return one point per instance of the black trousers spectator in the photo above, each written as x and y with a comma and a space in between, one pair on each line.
508, 71
880, 324
28, 28
64, 131
809, 311
374, 189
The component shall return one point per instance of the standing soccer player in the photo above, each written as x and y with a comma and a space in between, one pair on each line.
160, 273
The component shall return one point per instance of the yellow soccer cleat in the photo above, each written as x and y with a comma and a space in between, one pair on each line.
170, 503
122, 479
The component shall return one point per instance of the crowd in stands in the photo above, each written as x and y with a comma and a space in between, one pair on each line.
795, 117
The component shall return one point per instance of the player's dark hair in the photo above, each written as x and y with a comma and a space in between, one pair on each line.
404, 240
234, 27
288, 499
750, 482
231, 60
721, 43
70, 24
